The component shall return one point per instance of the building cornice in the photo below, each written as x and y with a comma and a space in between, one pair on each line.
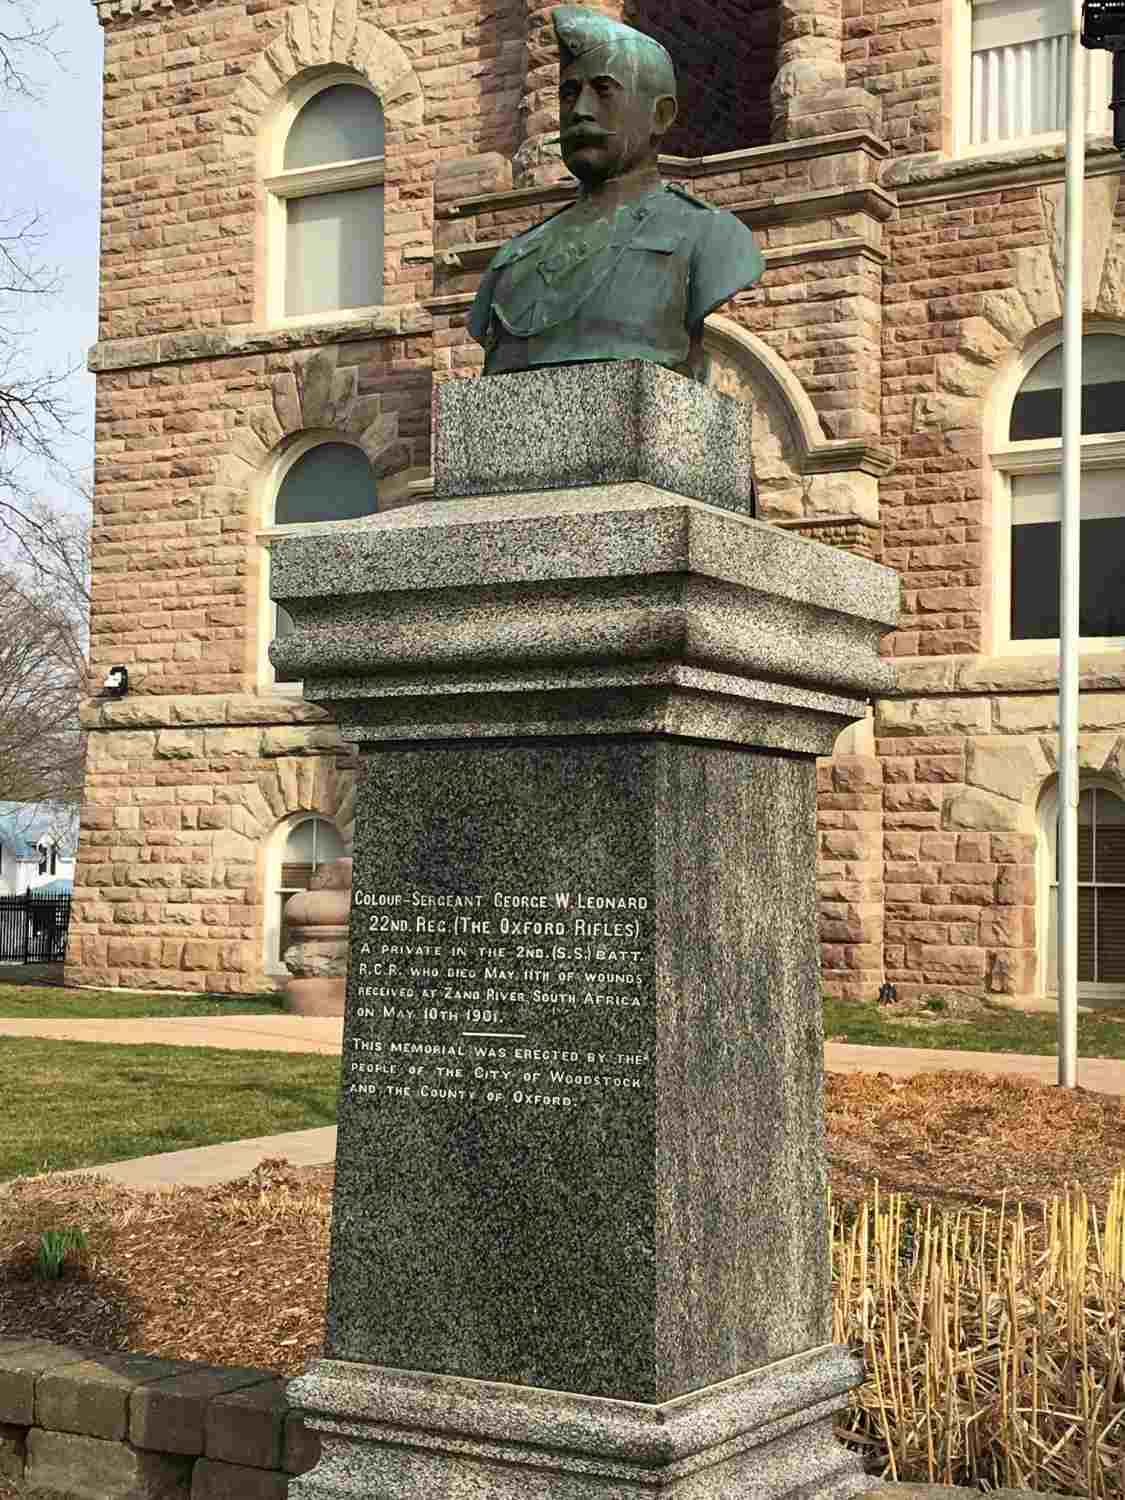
474, 255
117, 9
678, 169
252, 338
1030, 673
920, 179
114, 10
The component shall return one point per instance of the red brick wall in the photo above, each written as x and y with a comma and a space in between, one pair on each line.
175, 587
724, 89
894, 50
944, 257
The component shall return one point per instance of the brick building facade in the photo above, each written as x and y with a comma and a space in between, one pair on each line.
898, 357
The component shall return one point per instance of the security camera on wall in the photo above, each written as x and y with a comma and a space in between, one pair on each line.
116, 683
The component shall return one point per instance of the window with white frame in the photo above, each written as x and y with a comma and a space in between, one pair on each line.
1018, 72
1029, 500
319, 479
325, 200
306, 844
1101, 891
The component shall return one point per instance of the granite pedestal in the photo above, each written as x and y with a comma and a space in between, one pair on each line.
579, 1242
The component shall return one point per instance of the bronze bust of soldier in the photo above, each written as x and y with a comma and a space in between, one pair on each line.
631, 269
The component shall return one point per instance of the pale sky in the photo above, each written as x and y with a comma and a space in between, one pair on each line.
50, 153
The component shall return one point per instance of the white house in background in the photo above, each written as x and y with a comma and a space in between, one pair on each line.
38, 844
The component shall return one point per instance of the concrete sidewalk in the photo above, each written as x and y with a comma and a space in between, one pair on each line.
204, 1166
240, 1033
211, 1164
1101, 1075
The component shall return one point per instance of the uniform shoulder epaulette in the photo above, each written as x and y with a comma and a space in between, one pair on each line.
682, 192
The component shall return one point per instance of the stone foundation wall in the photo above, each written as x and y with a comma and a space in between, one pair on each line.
131, 1427
966, 765
173, 874
849, 816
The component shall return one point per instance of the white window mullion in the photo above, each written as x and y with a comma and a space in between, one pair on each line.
976, 98
1060, 49
1025, 88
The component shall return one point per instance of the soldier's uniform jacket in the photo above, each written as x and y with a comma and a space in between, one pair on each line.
631, 286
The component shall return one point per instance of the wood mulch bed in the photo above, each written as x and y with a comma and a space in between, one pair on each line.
237, 1274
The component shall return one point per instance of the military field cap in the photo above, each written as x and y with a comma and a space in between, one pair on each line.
579, 30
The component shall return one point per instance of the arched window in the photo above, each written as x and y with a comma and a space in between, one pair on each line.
1029, 495
326, 201
1101, 891
320, 478
306, 844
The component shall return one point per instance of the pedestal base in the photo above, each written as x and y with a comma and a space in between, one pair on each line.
403, 1433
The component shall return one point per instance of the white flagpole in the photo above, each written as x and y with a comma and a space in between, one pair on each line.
1069, 555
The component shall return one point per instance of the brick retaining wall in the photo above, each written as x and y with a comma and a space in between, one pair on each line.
133, 1427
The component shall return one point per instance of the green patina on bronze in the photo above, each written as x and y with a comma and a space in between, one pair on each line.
631, 269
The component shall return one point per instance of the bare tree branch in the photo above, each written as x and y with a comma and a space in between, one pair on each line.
22, 40
44, 561
42, 675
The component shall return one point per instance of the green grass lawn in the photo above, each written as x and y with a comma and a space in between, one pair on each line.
75, 1104
998, 1030
45, 1002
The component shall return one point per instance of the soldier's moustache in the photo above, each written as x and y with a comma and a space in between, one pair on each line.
585, 135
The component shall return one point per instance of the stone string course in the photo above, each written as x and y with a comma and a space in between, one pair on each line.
89, 1426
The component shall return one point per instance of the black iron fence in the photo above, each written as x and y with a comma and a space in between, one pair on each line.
33, 928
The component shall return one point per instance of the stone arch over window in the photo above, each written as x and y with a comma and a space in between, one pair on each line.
975, 382
317, 400
1101, 885
321, 47
319, 35
798, 471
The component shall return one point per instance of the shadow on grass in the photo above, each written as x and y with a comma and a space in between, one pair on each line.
49, 974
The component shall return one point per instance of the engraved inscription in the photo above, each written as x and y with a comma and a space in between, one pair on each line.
450, 990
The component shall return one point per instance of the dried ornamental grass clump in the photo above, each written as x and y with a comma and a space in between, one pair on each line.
993, 1342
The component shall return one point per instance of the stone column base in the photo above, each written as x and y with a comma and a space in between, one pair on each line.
405, 1433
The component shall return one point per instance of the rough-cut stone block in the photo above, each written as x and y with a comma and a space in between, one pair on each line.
983, 812
938, 716
92, 1397
219, 1481
171, 1415
1014, 768
13, 1450
1016, 886
20, 1367
86, 1468
585, 424
245, 1427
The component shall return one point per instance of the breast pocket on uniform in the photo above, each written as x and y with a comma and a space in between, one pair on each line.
657, 243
